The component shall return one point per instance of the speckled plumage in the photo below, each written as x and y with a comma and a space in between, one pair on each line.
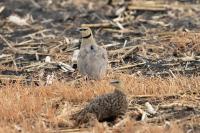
105, 107
92, 59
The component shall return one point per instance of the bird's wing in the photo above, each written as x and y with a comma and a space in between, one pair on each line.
82, 53
102, 53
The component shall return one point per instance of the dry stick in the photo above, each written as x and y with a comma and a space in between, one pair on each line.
131, 51
124, 49
150, 96
35, 4
129, 66
172, 105
171, 115
5, 56
122, 19
70, 130
148, 6
25, 43
17, 79
132, 7
165, 116
119, 51
188, 58
173, 75
7, 60
33, 65
171, 64
160, 118
193, 117
4, 68
114, 61
111, 45
15, 64
2, 8
13, 49
9, 45
30, 52
177, 70
12, 77
153, 22
97, 25
38, 32
71, 49
178, 6
119, 31
120, 25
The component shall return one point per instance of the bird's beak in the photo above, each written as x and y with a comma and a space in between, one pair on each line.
78, 29
114, 81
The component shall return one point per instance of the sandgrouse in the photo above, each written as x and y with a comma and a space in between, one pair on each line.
92, 59
105, 107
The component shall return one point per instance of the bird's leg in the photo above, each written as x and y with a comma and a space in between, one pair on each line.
118, 119
85, 78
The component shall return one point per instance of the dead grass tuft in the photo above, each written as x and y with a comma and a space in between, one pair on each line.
186, 43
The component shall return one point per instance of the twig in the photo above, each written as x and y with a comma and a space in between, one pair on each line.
129, 66
111, 45
119, 51
155, 96
7, 43
172, 105
12, 77
38, 32
70, 130
148, 6
119, 31
131, 51
97, 25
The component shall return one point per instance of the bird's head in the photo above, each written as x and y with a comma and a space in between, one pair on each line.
86, 32
116, 83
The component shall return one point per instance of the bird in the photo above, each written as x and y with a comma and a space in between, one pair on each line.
92, 59
106, 107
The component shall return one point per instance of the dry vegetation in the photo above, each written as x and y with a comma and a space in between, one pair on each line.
153, 47
48, 108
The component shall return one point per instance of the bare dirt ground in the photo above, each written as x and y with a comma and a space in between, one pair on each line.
153, 47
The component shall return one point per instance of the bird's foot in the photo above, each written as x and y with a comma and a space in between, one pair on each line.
85, 78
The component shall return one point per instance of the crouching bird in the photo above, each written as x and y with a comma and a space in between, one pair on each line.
92, 59
106, 107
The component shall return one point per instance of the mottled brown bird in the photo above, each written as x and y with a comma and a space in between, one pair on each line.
105, 107
92, 59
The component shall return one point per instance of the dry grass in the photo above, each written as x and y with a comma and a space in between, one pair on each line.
43, 109
186, 43
148, 25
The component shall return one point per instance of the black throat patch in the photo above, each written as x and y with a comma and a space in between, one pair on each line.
85, 37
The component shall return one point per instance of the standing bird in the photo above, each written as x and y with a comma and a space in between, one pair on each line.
106, 107
92, 59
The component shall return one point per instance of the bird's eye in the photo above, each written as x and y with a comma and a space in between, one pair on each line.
82, 29
91, 47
